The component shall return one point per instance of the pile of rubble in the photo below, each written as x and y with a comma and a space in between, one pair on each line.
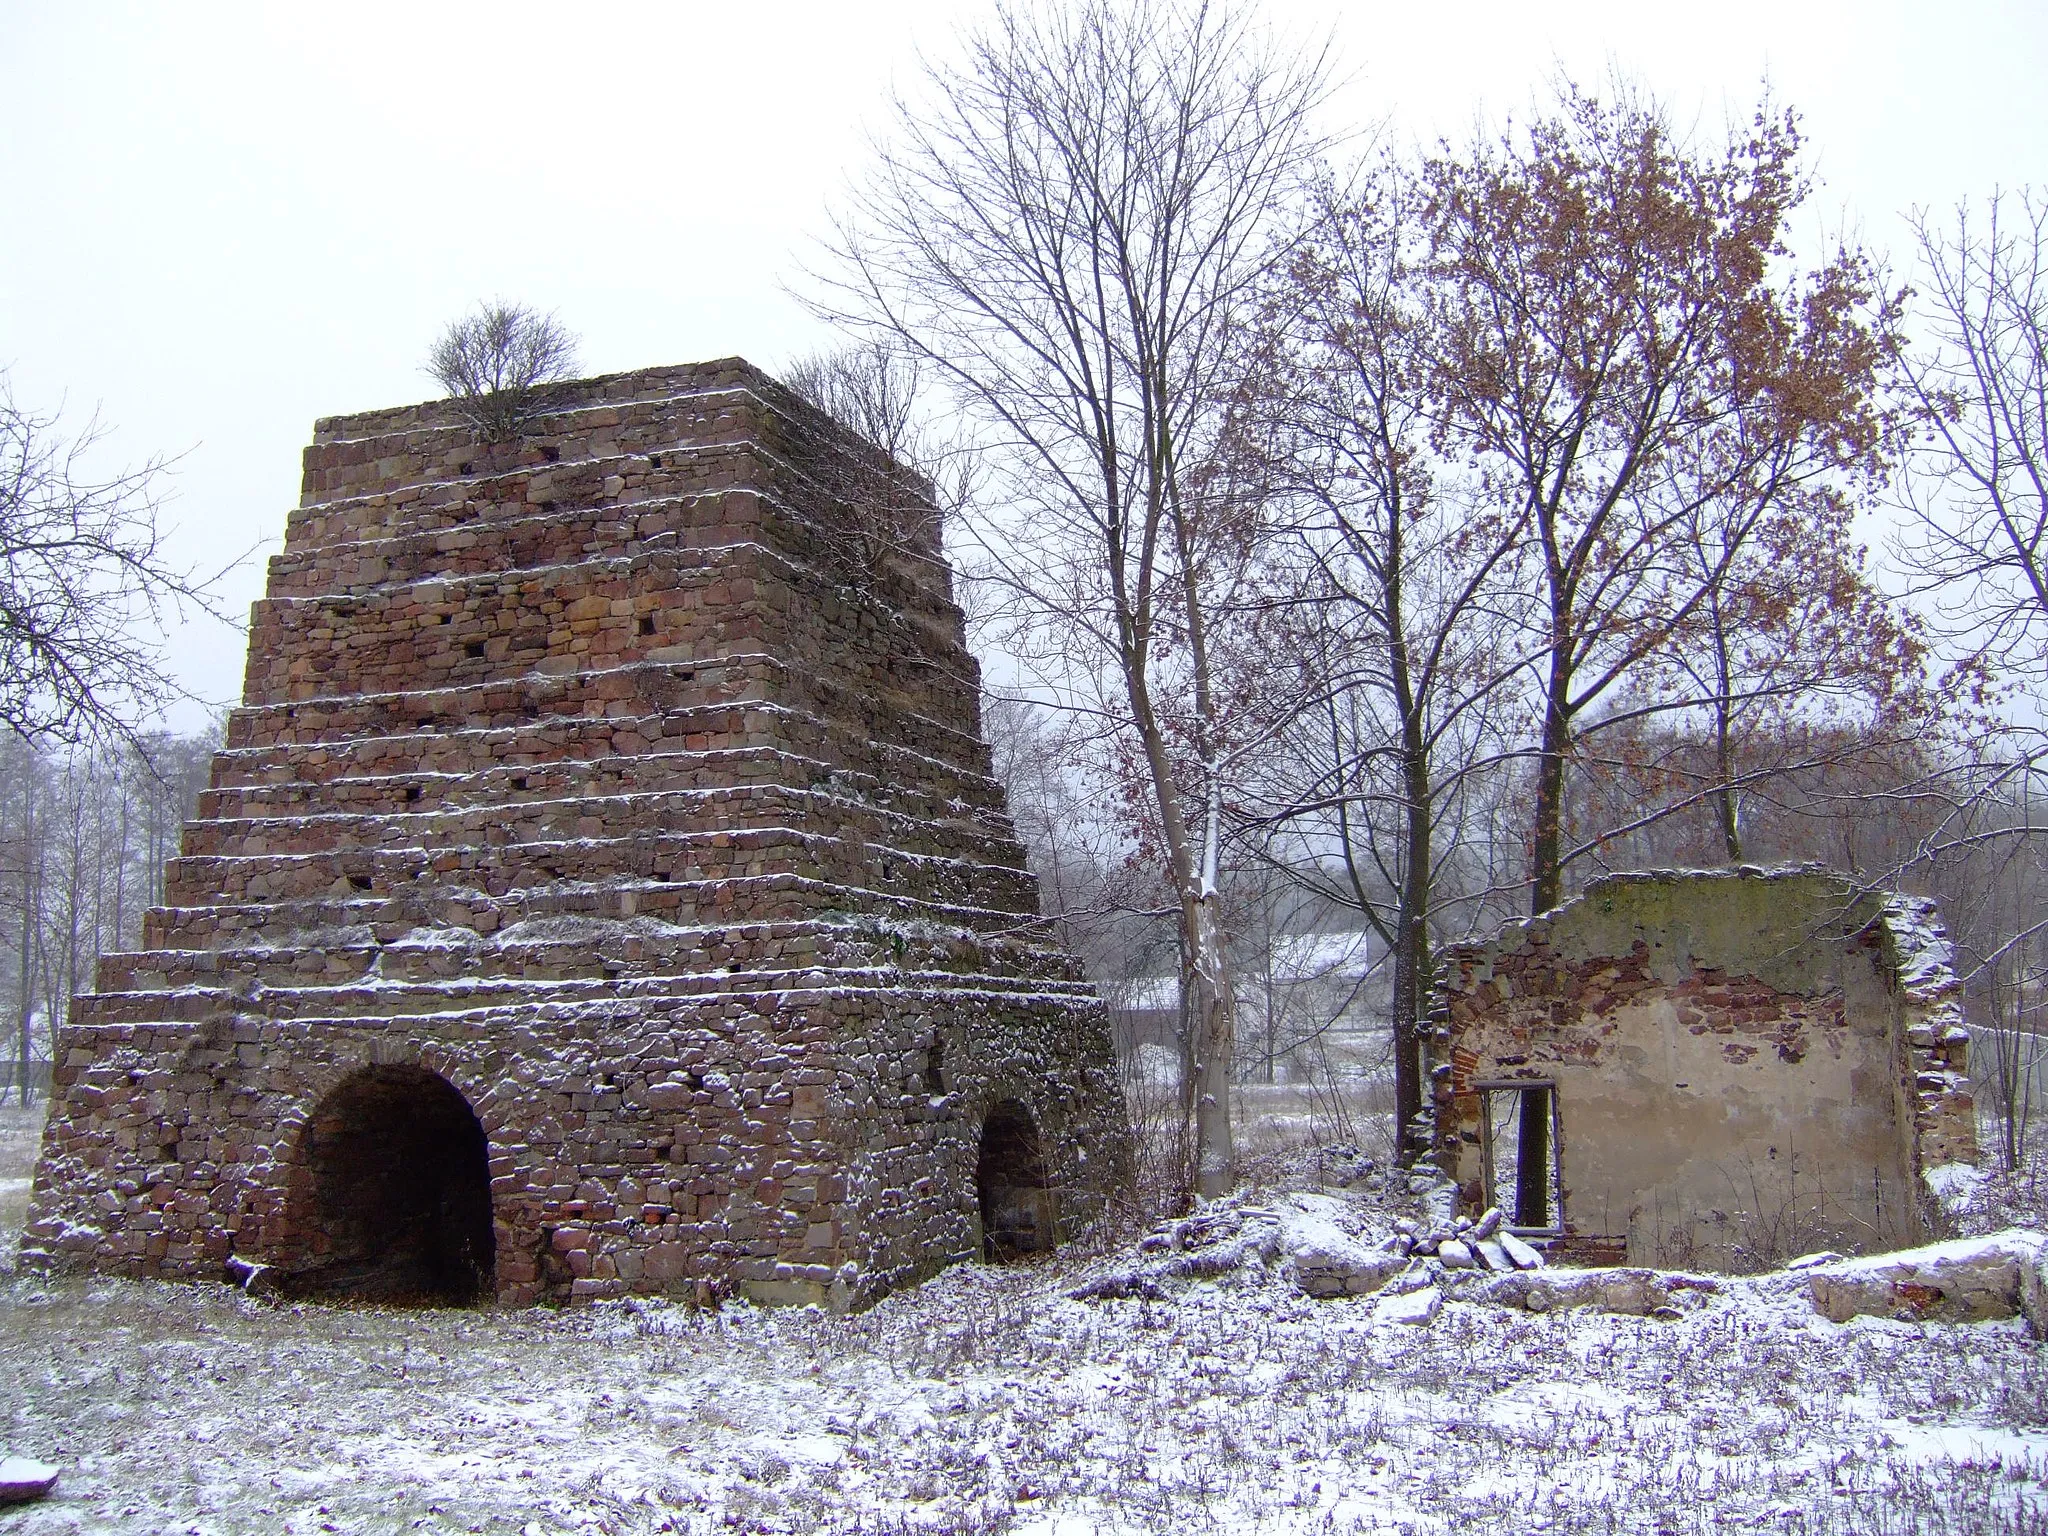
1965, 1280
1326, 1245
1466, 1244
1321, 1242
1330, 1244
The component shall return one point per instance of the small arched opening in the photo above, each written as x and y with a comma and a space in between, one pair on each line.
398, 1194
1017, 1211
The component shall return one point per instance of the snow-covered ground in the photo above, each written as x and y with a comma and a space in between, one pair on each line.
21, 1133
990, 1400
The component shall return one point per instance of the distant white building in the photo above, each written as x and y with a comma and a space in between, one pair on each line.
1307, 986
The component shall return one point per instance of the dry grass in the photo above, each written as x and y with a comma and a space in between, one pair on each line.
987, 1401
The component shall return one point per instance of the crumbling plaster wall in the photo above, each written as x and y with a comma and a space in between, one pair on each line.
1743, 1059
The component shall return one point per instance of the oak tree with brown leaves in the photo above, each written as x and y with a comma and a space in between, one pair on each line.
1641, 372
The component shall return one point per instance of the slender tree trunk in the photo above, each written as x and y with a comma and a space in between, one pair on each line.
1546, 890
1414, 968
1210, 1025
1726, 801
1412, 965
1272, 1016
1546, 842
1215, 1141
1546, 876
31, 903
1215, 1001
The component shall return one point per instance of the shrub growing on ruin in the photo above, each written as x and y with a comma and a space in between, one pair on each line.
490, 362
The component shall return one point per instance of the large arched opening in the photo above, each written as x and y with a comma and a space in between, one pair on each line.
397, 1193
1017, 1213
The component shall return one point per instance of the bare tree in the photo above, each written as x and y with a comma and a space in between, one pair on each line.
1069, 234
491, 361
87, 583
1976, 498
894, 503
868, 389
1993, 882
26, 860
86, 586
1979, 497
1402, 588
84, 832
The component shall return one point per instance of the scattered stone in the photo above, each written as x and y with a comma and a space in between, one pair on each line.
1341, 1165
2034, 1296
1630, 1292
1313, 1239
1492, 1255
1418, 1309
1364, 1281
1326, 1274
22, 1480
1452, 1253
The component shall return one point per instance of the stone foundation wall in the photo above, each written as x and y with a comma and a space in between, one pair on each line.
786, 1146
1743, 1062
621, 778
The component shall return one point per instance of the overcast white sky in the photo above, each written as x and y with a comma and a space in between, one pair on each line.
223, 221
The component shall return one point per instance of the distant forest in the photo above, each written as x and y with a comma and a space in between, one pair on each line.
84, 835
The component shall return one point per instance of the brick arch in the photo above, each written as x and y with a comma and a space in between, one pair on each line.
387, 1195
283, 1183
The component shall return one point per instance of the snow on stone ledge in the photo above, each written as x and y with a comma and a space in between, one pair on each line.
1926, 958
1966, 1280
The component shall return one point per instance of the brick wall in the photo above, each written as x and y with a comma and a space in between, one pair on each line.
622, 778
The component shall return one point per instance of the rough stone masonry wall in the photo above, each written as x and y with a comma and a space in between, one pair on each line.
619, 777
1745, 1061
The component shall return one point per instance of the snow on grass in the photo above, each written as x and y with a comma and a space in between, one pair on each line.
988, 1400
992, 1401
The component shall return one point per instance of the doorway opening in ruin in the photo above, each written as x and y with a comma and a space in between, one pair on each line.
1017, 1214
399, 1196
1521, 1157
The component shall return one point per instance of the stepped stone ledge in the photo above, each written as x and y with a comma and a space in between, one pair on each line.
601, 890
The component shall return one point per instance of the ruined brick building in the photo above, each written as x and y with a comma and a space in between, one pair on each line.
1707, 1067
601, 889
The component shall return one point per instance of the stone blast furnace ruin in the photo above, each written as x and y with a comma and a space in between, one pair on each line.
602, 889
1720, 1068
